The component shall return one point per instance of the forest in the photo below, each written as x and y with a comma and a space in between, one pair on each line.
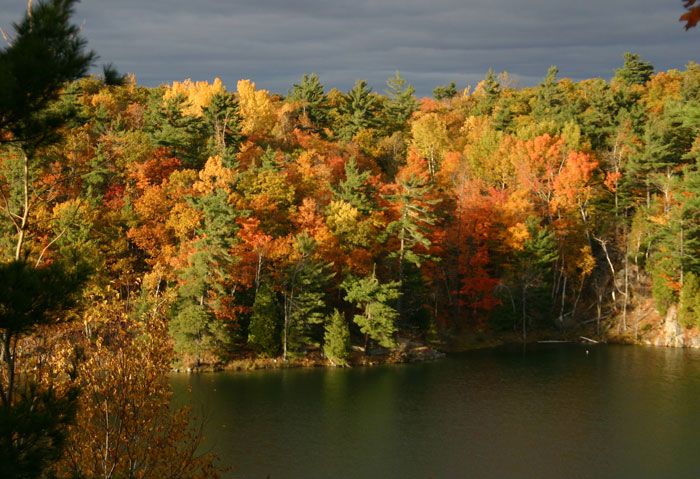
146, 228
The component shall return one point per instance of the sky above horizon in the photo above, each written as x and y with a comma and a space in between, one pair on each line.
274, 42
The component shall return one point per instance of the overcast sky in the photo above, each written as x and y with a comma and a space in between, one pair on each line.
273, 42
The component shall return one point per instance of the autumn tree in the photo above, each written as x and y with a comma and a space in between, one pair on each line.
430, 138
256, 108
127, 426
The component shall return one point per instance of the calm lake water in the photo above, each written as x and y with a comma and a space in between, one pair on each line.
553, 412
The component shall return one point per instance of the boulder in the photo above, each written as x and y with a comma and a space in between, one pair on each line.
672, 334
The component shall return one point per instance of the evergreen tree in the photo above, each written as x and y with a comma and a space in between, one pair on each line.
675, 239
634, 71
354, 188
688, 197
690, 88
358, 110
303, 288
377, 317
263, 331
445, 92
47, 51
223, 124
491, 91
111, 76
689, 311
532, 274
205, 277
549, 102
33, 418
400, 104
168, 125
197, 334
668, 139
336, 340
598, 113
661, 264
414, 209
312, 97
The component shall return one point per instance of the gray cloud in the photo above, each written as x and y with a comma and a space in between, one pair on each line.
273, 42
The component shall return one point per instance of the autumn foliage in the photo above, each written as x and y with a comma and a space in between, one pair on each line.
233, 224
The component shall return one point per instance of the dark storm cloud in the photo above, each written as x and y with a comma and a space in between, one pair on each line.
273, 42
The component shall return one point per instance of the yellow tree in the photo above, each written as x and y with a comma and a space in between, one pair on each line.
430, 138
257, 109
126, 426
198, 94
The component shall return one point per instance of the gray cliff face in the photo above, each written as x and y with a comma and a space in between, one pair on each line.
672, 334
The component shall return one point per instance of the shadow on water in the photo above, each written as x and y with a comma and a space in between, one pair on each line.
552, 411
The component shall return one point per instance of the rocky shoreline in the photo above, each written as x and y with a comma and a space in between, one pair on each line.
407, 351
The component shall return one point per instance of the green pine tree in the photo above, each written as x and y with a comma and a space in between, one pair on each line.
263, 331
400, 104
354, 189
491, 90
195, 327
223, 124
358, 111
46, 52
311, 95
532, 275
634, 71
185, 135
410, 229
689, 312
550, 100
336, 340
303, 288
377, 317
445, 92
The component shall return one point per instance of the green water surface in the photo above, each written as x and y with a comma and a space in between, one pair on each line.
556, 411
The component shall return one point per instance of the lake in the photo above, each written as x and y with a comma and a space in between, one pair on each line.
555, 411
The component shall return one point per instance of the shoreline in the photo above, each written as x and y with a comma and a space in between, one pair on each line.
667, 334
408, 352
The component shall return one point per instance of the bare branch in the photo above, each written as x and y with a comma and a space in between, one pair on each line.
38, 261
